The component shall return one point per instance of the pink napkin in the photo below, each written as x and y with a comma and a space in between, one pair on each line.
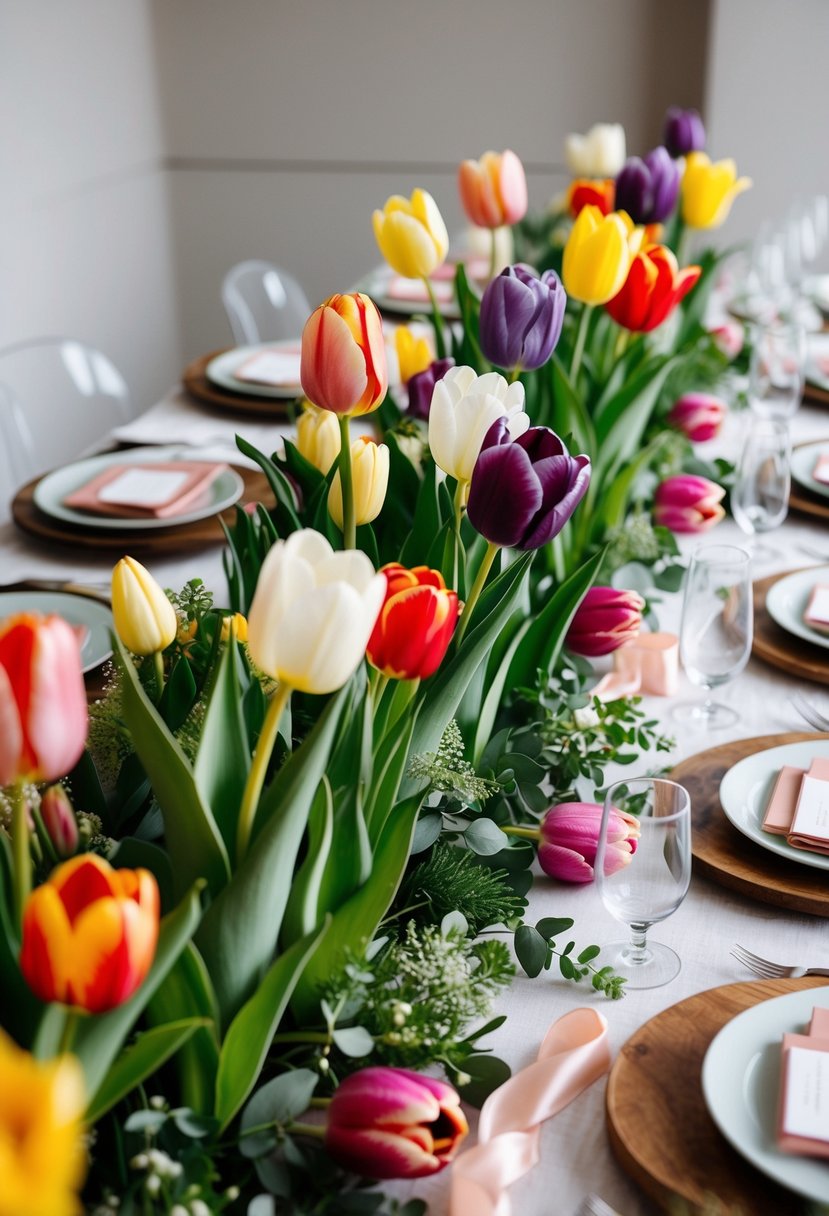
573, 1055
803, 1111
799, 806
414, 291
816, 615
147, 490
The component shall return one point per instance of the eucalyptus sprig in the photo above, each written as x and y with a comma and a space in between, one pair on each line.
535, 948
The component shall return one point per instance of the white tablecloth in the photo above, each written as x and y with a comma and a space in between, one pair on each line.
576, 1157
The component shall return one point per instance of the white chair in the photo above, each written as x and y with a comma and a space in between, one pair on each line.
263, 303
63, 398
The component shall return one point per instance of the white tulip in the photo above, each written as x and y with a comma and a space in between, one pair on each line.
313, 612
464, 407
599, 153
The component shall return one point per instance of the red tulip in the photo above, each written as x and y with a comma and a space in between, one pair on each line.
569, 836
698, 415
493, 189
653, 288
604, 621
89, 934
343, 366
688, 503
392, 1123
415, 624
583, 191
43, 716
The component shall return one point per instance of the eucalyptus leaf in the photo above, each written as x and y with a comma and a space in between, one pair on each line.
276, 1102
353, 1041
484, 836
530, 949
486, 1074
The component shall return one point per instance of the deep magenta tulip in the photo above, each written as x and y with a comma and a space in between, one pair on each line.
523, 491
647, 187
422, 385
688, 503
569, 836
698, 415
392, 1123
605, 619
684, 131
521, 317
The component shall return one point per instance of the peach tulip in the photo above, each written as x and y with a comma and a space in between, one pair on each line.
343, 365
493, 189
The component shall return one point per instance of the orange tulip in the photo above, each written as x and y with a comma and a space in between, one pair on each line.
415, 624
343, 366
90, 933
583, 191
43, 716
653, 288
493, 189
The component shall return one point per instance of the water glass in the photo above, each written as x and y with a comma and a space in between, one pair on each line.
776, 375
645, 886
760, 496
716, 628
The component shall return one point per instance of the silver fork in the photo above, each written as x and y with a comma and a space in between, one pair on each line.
809, 713
592, 1205
768, 970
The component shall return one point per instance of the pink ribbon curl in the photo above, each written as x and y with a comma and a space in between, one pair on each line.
573, 1055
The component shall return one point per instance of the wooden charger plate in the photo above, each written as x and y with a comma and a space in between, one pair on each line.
177, 539
812, 395
659, 1127
777, 647
195, 381
729, 858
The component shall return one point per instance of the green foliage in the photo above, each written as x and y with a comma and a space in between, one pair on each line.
535, 948
451, 879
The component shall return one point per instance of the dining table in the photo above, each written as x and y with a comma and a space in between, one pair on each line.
575, 1152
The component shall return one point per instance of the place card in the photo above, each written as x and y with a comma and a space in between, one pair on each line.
278, 368
816, 615
803, 1117
810, 826
155, 491
821, 470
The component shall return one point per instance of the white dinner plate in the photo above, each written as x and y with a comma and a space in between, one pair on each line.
745, 790
817, 371
54, 487
786, 602
92, 614
804, 459
741, 1081
222, 371
378, 286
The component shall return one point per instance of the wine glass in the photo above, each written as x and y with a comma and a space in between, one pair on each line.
646, 885
760, 495
776, 375
716, 628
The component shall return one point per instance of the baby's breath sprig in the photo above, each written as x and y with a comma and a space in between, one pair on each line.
448, 772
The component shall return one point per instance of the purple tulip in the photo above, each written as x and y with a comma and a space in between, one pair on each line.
524, 490
521, 317
647, 188
422, 386
684, 132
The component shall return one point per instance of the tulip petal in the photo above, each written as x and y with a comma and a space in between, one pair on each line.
374, 1153
11, 732
46, 956
504, 495
333, 367
564, 864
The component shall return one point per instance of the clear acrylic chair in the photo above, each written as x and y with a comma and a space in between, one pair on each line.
263, 303
65, 399
13, 459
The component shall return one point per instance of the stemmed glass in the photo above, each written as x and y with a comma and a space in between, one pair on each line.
760, 495
646, 886
716, 628
776, 375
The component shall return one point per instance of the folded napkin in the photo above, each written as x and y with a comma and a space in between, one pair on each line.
803, 1110
278, 368
152, 491
821, 470
816, 615
799, 806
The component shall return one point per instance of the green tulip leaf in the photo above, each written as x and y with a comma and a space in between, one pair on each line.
302, 913
223, 759
570, 416
282, 489
21, 1009
140, 1060
186, 991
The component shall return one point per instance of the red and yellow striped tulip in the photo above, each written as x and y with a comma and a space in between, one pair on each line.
343, 366
653, 288
90, 933
43, 718
415, 624
588, 191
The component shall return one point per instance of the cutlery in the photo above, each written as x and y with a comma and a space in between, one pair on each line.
767, 970
592, 1205
809, 712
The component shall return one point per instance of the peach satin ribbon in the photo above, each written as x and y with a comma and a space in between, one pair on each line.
648, 663
573, 1055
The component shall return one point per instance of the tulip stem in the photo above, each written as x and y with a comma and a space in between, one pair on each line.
581, 338
20, 850
70, 1026
460, 494
493, 253
683, 239
515, 374
317, 1130
259, 768
437, 320
559, 566
477, 587
527, 833
158, 661
347, 485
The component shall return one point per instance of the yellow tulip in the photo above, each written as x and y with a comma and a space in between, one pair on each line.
318, 437
239, 624
598, 255
42, 1157
370, 471
411, 234
413, 354
709, 189
145, 620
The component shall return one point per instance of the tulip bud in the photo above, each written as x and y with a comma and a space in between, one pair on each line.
604, 620
709, 189
688, 503
411, 234
413, 354
240, 627
598, 254
521, 317
599, 153
569, 837
370, 472
415, 624
59, 820
145, 620
698, 415
493, 189
318, 438
647, 187
422, 385
392, 1123
684, 131
464, 407
343, 364
653, 288
729, 337
584, 192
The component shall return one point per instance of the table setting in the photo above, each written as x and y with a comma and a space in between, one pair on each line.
438, 814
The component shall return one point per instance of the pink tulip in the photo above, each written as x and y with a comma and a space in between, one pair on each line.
688, 503
392, 1123
569, 836
730, 337
493, 189
59, 820
698, 415
605, 619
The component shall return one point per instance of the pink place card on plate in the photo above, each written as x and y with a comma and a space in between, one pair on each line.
783, 801
279, 368
154, 491
810, 826
803, 1111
